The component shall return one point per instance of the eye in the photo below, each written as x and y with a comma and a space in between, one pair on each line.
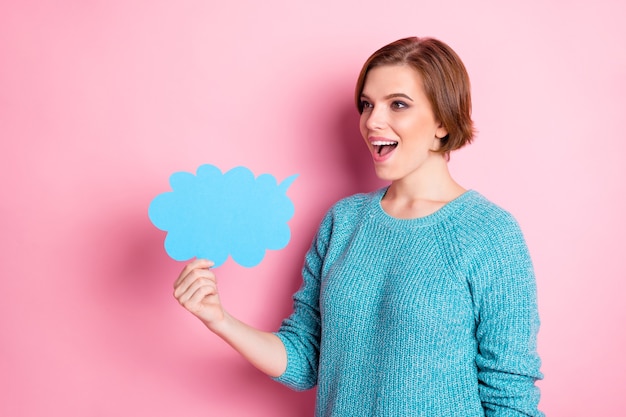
398, 105
366, 105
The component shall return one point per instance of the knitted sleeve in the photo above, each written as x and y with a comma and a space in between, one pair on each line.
300, 332
508, 321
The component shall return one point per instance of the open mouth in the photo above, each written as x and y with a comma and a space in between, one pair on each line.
383, 147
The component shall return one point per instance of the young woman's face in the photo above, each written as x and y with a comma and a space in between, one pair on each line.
397, 122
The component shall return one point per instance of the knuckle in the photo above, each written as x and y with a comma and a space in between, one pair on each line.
189, 304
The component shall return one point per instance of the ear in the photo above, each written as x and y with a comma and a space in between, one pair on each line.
440, 133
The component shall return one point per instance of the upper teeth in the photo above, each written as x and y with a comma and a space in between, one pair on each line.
383, 142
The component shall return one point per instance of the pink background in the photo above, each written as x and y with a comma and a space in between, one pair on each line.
101, 101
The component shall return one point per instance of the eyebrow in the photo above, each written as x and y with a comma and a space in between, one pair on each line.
389, 96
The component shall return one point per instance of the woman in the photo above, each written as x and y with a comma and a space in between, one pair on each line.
418, 299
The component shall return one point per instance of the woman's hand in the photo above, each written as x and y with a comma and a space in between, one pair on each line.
196, 290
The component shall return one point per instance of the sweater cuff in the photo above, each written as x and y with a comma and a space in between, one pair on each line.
295, 377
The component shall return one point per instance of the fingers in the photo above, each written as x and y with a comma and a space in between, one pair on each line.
190, 267
202, 286
199, 295
194, 276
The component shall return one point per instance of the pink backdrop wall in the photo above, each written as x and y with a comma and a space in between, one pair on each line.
101, 101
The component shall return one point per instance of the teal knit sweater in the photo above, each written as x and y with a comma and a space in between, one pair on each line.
433, 317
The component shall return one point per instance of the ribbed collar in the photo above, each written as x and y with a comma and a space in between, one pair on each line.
376, 211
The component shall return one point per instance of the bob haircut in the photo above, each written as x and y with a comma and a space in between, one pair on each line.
445, 80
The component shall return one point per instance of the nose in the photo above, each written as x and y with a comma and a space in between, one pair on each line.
375, 118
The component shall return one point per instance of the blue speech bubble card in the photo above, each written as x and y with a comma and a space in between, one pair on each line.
213, 215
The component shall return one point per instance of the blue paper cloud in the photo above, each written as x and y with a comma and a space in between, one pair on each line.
212, 215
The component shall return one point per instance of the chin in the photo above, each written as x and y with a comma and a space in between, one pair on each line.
384, 175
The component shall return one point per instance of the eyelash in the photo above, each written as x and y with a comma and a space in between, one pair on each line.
396, 105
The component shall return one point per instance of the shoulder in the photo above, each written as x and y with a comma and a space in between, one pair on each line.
479, 214
346, 213
355, 204
486, 226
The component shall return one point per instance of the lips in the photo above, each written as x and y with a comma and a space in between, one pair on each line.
383, 147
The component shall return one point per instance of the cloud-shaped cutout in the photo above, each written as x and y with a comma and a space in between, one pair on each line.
212, 215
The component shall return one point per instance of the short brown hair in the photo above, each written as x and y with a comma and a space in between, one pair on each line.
445, 79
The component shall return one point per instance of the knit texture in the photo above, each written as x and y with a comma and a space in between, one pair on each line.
435, 316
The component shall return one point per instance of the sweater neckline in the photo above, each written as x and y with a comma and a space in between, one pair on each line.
441, 214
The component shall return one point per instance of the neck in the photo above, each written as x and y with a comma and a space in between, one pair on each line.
432, 182
423, 192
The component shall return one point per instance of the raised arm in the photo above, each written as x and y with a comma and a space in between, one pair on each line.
196, 290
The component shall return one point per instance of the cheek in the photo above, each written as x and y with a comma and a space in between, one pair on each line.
362, 128
418, 126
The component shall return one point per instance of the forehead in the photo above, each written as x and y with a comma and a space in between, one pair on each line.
387, 79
